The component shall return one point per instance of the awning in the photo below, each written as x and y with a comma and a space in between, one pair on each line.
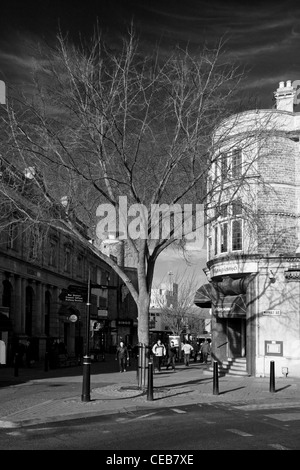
5, 323
203, 296
231, 306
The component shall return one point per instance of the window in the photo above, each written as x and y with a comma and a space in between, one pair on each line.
67, 259
209, 247
231, 164
236, 166
12, 236
53, 253
224, 166
237, 235
223, 210
35, 241
216, 240
224, 237
79, 267
237, 207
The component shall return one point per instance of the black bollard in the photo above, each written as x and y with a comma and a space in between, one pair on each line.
216, 379
86, 382
16, 365
272, 376
150, 382
46, 364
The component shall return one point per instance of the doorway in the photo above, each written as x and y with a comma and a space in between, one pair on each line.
236, 334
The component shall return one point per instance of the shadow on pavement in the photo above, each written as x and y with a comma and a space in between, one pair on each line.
231, 390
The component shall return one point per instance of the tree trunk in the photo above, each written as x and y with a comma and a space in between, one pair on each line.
143, 337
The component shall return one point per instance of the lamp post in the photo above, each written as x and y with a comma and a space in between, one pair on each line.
86, 379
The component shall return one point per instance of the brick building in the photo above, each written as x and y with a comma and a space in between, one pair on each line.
253, 239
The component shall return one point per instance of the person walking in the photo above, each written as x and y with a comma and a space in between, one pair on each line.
187, 348
159, 351
122, 356
171, 356
205, 349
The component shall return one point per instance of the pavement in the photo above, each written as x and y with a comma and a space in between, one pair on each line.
37, 396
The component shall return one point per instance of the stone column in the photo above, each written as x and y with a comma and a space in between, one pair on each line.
19, 301
23, 304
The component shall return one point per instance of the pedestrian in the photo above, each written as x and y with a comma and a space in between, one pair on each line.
171, 356
122, 356
205, 349
196, 350
159, 351
187, 348
29, 353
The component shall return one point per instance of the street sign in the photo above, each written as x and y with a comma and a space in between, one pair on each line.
74, 298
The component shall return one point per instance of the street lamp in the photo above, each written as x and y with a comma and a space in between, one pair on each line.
86, 379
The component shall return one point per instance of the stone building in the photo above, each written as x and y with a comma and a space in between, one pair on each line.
44, 278
253, 240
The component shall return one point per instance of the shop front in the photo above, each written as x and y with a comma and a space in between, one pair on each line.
229, 297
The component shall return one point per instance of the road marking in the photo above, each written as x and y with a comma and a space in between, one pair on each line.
266, 406
278, 447
146, 416
240, 433
178, 411
285, 416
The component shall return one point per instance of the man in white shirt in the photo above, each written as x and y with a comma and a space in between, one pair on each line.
187, 348
159, 352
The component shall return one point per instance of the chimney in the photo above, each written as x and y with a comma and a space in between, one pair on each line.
284, 96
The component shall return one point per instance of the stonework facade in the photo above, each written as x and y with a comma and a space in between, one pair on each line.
253, 266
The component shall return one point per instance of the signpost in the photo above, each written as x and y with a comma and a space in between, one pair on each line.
86, 379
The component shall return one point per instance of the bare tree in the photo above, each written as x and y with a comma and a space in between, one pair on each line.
102, 124
177, 310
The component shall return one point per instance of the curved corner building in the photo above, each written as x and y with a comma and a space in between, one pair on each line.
253, 240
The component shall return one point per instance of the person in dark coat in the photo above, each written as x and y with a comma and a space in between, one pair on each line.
122, 356
171, 356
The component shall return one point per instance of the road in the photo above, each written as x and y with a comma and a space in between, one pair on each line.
182, 430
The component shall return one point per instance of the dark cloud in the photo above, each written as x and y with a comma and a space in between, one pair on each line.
264, 37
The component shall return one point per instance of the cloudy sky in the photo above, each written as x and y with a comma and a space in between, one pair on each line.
263, 37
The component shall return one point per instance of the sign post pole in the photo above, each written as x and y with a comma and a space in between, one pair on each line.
86, 382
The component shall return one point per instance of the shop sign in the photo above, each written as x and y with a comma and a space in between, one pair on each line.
124, 322
233, 268
74, 298
73, 318
102, 313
